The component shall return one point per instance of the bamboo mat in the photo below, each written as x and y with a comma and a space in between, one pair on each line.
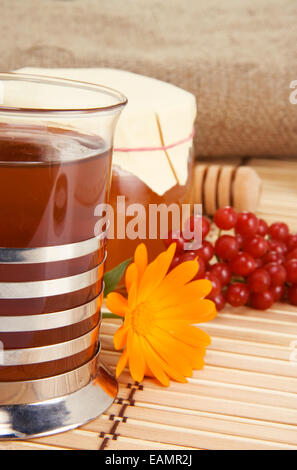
244, 398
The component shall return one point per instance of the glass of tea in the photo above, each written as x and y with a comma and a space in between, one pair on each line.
56, 139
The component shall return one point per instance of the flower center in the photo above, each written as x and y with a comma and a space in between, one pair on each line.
142, 319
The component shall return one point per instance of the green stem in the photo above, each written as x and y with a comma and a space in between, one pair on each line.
110, 315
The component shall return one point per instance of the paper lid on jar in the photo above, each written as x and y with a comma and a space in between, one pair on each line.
154, 134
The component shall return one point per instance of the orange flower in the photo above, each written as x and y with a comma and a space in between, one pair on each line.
157, 337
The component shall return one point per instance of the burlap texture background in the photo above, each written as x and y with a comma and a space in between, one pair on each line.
237, 57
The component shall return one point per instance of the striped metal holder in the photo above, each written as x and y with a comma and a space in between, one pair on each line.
51, 377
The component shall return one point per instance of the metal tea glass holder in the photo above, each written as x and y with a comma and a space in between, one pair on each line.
64, 401
51, 376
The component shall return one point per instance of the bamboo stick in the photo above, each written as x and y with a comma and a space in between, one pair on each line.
260, 324
226, 375
124, 443
200, 387
236, 361
76, 439
249, 428
215, 405
195, 438
248, 334
26, 445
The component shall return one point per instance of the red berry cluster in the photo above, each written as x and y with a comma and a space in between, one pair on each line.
256, 264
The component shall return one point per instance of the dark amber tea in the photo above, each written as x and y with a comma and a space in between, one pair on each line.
50, 183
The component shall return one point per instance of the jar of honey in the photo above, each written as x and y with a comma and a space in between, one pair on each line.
153, 161
129, 185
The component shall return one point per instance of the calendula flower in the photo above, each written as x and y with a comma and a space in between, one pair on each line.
157, 336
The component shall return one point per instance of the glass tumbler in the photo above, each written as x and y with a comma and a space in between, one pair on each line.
56, 139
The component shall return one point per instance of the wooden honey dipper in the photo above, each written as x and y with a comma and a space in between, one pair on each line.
217, 186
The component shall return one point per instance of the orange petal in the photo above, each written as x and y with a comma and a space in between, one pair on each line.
122, 363
166, 349
197, 311
154, 365
155, 273
137, 363
177, 278
169, 369
193, 290
131, 275
141, 259
191, 354
132, 296
117, 304
188, 334
120, 338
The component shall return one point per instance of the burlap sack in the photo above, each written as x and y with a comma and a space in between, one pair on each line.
237, 57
